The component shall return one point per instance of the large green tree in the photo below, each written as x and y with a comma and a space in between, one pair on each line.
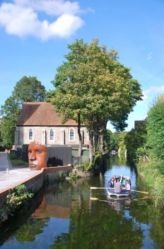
155, 129
11, 111
26, 89
135, 142
93, 87
29, 89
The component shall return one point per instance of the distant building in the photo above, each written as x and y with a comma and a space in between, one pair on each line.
139, 124
39, 122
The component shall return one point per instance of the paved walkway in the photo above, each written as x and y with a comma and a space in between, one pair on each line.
10, 177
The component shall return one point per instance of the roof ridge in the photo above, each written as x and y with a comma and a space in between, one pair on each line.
36, 102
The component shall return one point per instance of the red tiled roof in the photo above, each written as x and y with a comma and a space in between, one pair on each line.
41, 114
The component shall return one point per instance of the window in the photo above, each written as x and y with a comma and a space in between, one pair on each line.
71, 135
51, 134
30, 134
18, 136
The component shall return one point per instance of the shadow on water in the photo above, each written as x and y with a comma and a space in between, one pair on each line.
14, 222
67, 218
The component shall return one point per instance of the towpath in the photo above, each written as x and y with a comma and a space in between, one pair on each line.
10, 177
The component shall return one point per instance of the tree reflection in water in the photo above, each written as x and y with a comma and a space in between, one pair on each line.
66, 219
100, 227
30, 230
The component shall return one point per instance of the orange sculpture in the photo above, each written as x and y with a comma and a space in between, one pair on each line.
37, 156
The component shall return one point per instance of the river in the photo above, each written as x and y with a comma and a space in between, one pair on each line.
64, 217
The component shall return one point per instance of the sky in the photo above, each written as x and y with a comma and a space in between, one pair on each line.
34, 38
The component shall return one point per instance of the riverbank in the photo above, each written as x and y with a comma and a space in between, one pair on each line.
33, 180
153, 174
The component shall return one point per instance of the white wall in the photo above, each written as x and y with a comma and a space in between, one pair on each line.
42, 135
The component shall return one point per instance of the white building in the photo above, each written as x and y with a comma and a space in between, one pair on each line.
40, 122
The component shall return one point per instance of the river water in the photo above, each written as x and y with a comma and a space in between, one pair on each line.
64, 217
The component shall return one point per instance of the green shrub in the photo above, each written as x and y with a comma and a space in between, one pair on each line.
18, 197
142, 154
87, 166
154, 179
14, 200
73, 176
155, 129
12, 155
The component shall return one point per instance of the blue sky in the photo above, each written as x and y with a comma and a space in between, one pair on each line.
34, 36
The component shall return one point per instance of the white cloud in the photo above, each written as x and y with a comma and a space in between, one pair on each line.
51, 7
153, 90
21, 18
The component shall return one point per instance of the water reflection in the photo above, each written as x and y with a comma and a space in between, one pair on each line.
121, 170
67, 219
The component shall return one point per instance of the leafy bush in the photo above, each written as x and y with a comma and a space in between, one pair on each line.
15, 160
142, 154
73, 176
155, 129
87, 166
153, 173
18, 197
14, 200
13, 155
134, 140
153, 170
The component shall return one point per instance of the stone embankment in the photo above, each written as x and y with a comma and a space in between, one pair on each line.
33, 179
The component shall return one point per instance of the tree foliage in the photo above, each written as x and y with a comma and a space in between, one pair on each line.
29, 89
26, 89
135, 142
93, 87
155, 129
112, 141
11, 111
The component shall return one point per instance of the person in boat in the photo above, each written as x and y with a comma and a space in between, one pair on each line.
128, 185
117, 185
111, 182
123, 181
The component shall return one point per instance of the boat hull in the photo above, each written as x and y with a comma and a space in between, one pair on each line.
112, 193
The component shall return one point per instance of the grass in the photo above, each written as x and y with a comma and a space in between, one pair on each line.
153, 173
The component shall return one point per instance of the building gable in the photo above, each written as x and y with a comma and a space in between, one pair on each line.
41, 114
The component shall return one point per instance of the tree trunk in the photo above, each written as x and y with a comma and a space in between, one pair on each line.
102, 139
80, 138
91, 147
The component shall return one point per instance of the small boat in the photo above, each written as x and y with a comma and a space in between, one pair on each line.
112, 193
